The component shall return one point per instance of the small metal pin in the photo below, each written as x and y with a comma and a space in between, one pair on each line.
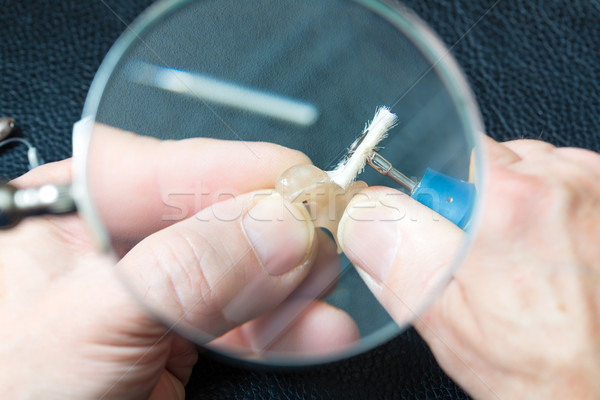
384, 167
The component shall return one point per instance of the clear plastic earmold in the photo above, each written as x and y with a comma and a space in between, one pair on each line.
325, 200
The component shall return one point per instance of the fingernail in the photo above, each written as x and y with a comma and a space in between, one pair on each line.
370, 237
280, 234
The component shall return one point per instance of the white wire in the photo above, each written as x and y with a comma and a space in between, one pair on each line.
32, 153
15, 140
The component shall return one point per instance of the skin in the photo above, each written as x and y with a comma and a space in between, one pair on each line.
520, 318
74, 330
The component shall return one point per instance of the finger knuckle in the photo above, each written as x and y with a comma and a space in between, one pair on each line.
187, 261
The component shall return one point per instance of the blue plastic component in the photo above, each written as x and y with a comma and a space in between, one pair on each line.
450, 197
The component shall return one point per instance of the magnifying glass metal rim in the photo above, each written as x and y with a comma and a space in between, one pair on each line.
402, 18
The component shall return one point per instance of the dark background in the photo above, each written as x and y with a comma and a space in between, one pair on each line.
534, 68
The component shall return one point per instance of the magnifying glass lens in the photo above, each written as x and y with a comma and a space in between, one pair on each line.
187, 110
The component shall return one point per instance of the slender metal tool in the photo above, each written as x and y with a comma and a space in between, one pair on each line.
16, 204
384, 167
450, 197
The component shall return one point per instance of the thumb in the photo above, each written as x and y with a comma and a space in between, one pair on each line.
403, 250
228, 264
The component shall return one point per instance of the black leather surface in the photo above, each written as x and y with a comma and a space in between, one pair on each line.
534, 67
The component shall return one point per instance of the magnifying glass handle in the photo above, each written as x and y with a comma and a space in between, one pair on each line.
16, 204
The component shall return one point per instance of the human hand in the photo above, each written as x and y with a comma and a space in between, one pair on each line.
520, 318
71, 330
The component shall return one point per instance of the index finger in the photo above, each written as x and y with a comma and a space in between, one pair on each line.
140, 184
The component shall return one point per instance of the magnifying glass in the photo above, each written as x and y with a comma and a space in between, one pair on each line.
305, 75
